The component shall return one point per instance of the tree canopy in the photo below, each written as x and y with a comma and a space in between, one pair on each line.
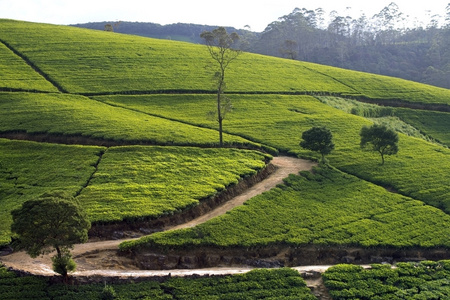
379, 138
47, 224
318, 139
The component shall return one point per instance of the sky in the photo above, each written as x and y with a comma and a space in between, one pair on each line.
237, 13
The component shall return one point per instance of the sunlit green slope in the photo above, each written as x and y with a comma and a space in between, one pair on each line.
419, 170
16, 74
88, 61
59, 81
117, 183
79, 116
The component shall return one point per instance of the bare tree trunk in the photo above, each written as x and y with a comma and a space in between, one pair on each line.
219, 116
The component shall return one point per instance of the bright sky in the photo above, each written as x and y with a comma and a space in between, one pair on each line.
237, 13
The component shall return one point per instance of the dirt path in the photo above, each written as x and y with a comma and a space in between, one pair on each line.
100, 258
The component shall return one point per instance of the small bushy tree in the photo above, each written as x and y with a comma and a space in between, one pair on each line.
108, 293
379, 138
47, 224
63, 263
318, 139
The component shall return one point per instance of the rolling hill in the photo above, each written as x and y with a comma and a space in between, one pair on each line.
116, 99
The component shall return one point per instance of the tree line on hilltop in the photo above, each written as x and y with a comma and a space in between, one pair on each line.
385, 43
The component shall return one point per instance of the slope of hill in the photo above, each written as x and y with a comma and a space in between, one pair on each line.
363, 44
104, 88
83, 62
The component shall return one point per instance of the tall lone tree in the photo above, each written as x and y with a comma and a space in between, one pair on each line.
47, 224
318, 139
220, 46
379, 138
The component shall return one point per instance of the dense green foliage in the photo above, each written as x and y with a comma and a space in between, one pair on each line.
318, 139
257, 284
135, 182
73, 115
13, 287
140, 64
49, 223
425, 124
424, 280
418, 171
275, 120
29, 170
376, 44
379, 138
386, 88
94, 65
130, 291
260, 284
17, 75
327, 208
379, 43
432, 123
278, 120
148, 181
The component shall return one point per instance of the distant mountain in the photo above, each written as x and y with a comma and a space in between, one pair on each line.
178, 32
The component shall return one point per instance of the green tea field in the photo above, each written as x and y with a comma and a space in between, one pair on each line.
121, 123
257, 284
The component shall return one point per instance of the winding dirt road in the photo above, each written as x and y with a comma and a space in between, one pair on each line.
100, 258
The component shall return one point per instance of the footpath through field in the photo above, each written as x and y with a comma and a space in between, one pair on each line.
100, 258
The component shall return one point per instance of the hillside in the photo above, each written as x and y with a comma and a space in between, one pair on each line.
380, 44
115, 100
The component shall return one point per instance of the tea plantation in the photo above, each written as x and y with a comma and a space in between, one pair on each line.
346, 211
424, 280
120, 122
256, 284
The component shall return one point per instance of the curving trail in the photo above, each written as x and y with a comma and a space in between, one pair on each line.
99, 258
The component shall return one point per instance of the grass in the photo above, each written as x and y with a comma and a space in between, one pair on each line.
424, 280
279, 120
386, 88
432, 123
347, 211
89, 61
428, 125
87, 64
74, 115
135, 182
18, 75
29, 170
139, 182
260, 284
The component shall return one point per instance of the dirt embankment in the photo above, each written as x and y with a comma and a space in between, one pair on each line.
277, 256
